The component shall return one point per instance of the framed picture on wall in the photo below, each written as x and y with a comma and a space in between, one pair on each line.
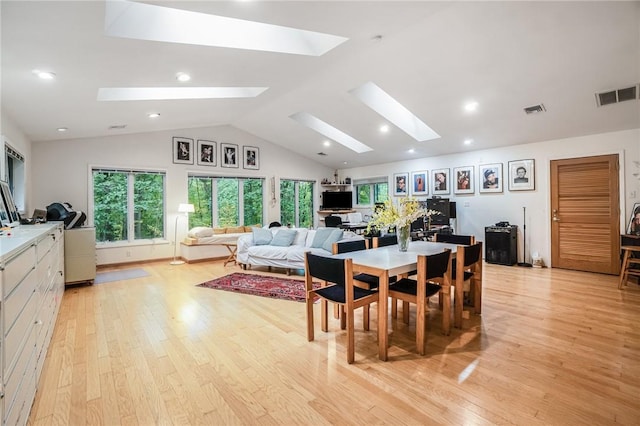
251, 158
522, 175
206, 153
400, 184
634, 221
440, 181
182, 150
420, 183
463, 180
229, 155
491, 177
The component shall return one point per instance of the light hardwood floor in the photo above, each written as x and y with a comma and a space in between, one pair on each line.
551, 347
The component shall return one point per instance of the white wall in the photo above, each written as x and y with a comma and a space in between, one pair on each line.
61, 173
13, 136
475, 211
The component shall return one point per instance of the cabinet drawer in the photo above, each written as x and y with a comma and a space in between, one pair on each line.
18, 413
24, 367
45, 269
17, 269
18, 299
44, 245
16, 336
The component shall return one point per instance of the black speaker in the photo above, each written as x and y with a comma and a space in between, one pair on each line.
501, 244
452, 209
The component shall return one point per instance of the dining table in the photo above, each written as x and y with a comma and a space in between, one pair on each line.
389, 261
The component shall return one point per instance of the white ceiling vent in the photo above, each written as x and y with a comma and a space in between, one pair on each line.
535, 109
117, 127
322, 154
615, 96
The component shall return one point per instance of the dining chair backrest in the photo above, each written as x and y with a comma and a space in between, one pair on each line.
386, 240
472, 254
332, 221
438, 264
326, 268
349, 246
466, 240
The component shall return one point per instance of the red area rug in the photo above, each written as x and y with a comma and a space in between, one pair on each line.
260, 285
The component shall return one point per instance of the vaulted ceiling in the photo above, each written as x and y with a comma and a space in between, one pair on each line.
431, 57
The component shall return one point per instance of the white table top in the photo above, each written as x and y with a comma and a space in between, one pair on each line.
393, 260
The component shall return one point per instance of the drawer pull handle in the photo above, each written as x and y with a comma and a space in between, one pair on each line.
38, 322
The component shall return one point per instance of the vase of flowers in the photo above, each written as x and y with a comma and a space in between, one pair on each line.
400, 216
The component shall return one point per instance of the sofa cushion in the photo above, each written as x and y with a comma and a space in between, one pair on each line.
219, 230
284, 237
261, 236
334, 237
321, 236
200, 232
301, 237
295, 255
269, 252
248, 228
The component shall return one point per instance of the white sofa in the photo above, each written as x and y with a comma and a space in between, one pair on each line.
289, 257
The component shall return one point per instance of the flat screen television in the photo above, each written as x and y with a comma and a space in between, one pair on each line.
332, 200
441, 205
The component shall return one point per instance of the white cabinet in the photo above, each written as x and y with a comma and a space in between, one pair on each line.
32, 282
80, 255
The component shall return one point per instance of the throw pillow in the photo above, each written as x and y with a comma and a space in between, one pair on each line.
284, 237
217, 231
321, 236
200, 232
334, 237
235, 230
261, 237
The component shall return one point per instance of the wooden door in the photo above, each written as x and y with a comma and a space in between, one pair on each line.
585, 214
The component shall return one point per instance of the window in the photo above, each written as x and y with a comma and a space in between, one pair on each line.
14, 175
371, 191
128, 205
238, 201
296, 203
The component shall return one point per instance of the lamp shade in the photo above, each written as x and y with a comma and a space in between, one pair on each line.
186, 208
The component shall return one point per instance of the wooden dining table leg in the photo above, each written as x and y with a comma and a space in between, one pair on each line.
383, 303
458, 297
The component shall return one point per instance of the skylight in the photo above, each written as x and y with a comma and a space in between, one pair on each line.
331, 132
382, 103
157, 23
160, 93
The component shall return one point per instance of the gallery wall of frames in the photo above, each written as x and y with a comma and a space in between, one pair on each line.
490, 178
214, 154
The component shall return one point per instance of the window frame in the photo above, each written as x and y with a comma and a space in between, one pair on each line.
131, 240
296, 195
374, 190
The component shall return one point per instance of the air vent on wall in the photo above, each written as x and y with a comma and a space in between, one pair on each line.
117, 127
535, 109
615, 96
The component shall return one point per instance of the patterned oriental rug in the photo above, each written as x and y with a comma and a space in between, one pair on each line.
260, 285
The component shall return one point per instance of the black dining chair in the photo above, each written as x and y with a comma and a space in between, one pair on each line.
466, 276
384, 241
337, 287
332, 221
466, 240
434, 277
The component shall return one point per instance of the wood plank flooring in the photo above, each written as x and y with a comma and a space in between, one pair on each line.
552, 347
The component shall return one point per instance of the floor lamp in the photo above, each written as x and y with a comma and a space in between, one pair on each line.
186, 209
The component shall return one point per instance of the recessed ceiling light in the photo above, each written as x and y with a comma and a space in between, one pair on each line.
411, 151
159, 93
326, 143
183, 76
329, 131
468, 141
385, 105
123, 18
471, 106
45, 75
62, 129
384, 128
344, 162
153, 115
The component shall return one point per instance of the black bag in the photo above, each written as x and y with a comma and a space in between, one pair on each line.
64, 212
